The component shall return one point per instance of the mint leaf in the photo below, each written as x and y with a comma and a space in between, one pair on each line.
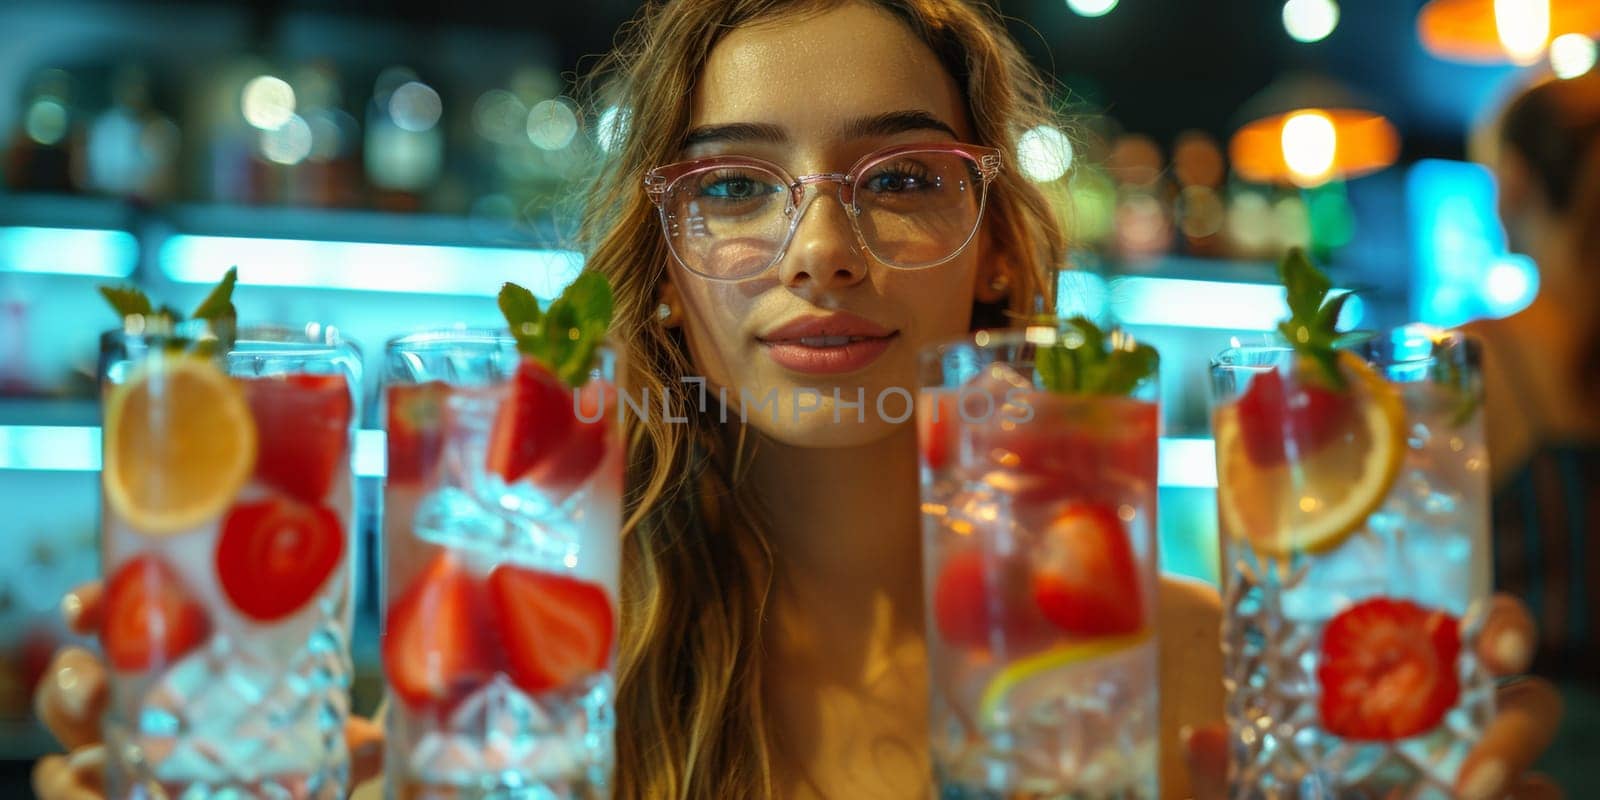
564, 336
127, 301
574, 366
1092, 366
1306, 285
1126, 368
1056, 368
218, 305
521, 310
589, 296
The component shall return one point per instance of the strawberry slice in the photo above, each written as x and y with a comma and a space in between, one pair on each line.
936, 427
568, 466
434, 648
534, 419
1278, 416
306, 422
1087, 579
978, 604
273, 555
150, 616
556, 629
414, 426
1388, 670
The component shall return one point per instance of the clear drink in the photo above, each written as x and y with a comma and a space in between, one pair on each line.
1355, 566
501, 544
1039, 556
227, 511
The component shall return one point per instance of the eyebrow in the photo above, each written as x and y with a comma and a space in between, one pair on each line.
887, 124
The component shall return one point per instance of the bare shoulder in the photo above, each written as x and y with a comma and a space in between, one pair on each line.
1187, 603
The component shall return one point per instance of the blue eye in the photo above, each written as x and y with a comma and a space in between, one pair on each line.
735, 187
898, 180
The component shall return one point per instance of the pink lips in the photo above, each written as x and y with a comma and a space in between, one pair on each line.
830, 344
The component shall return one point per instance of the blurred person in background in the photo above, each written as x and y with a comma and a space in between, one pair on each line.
1542, 376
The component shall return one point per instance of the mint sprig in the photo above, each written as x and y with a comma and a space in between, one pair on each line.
1312, 328
217, 307
564, 336
1094, 366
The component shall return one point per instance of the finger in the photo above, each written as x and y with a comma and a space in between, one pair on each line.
1537, 787
72, 777
83, 608
365, 739
1509, 634
1526, 716
1206, 752
71, 697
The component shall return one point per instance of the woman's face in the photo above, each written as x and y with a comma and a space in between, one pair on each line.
805, 92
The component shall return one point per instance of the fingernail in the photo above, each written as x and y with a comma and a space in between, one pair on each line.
86, 757
72, 692
1511, 648
71, 608
1185, 733
1483, 782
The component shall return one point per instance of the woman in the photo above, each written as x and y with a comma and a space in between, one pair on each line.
1542, 369
772, 638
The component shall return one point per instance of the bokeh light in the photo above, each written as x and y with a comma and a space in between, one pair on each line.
1572, 54
500, 117
1510, 284
46, 121
415, 106
1310, 20
1200, 212
267, 102
1250, 221
1044, 153
1091, 8
551, 124
1309, 145
1524, 27
289, 143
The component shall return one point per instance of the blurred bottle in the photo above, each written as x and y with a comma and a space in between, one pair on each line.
1199, 167
404, 150
1144, 199
331, 174
132, 148
14, 378
45, 149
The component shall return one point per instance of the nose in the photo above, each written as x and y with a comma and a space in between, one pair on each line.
825, 253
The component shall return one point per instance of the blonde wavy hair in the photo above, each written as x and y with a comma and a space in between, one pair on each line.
696, 566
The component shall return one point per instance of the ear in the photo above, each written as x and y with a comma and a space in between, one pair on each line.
668, 300
996, 276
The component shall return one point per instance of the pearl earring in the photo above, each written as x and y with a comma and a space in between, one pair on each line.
664, 312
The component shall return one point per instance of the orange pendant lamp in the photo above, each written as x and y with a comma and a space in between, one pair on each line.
1502, 31
1306, 131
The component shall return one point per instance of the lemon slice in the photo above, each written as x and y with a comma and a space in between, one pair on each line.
179, 443
1314, 502
1020, 673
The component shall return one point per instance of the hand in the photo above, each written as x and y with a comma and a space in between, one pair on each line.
1527, 713
72, 697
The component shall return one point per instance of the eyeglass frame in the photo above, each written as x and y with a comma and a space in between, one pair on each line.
660, 180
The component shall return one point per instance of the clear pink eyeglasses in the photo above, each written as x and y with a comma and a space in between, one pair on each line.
730, 218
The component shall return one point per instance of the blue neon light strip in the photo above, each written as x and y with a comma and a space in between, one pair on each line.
91, 252
1185, 463
368, 266
60, 448
1183, 303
